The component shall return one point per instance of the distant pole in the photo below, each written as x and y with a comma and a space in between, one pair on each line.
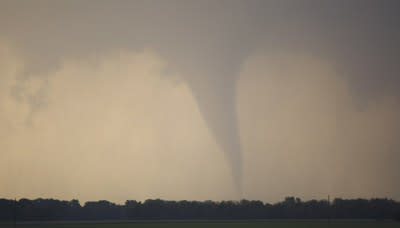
15, 212
329, 210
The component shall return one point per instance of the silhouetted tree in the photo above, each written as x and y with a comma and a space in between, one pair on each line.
289, 208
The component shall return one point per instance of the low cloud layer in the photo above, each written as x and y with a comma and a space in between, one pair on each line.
117, 127
114, 128
304, 133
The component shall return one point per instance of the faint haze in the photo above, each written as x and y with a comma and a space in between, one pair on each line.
199, 99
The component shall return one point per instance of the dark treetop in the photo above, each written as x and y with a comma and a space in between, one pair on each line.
290, 208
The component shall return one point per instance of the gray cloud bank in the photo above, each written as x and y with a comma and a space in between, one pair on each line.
67, 68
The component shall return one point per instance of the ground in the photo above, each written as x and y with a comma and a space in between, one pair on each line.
210, 224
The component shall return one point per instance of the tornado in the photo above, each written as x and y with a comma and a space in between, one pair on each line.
216, 98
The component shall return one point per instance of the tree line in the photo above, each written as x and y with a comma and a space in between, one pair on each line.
289, 208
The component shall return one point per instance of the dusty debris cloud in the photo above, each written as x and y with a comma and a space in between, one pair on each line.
100, 92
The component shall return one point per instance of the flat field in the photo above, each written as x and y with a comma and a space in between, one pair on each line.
211, 224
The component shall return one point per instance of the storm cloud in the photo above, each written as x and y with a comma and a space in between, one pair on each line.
182, 76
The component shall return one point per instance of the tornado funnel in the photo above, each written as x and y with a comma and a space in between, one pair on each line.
216, 98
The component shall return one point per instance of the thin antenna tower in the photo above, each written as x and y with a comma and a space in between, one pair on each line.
15, 212
329, 210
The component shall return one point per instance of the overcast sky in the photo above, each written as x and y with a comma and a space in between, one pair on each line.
199, 100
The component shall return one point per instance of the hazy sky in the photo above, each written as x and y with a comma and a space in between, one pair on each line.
199, 100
